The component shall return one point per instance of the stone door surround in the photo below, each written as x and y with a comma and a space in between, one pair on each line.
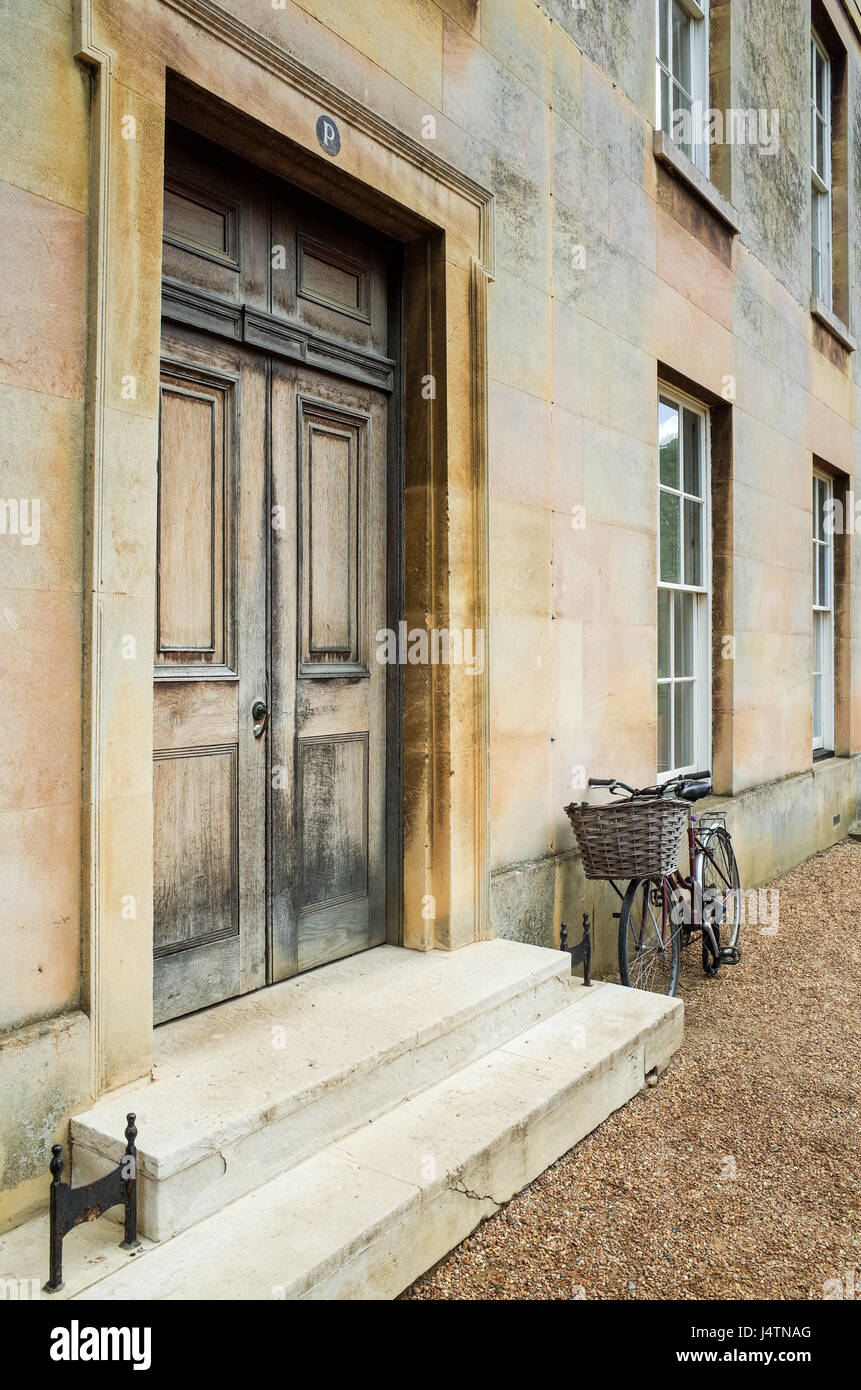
194, 61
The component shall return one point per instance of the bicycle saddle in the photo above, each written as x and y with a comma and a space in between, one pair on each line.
695, 791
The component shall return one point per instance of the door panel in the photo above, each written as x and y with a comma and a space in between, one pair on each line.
197, 897
333, 819
332, 277
194, 597
333, 535
209, 773
328, 690
216, 223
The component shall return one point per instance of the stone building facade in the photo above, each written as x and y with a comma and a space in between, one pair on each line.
615, 359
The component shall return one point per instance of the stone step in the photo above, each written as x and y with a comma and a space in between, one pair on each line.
246, 1090
367, 1215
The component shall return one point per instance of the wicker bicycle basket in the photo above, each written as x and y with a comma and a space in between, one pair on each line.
639, 838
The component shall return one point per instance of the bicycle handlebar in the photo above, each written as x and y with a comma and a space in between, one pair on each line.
613, 783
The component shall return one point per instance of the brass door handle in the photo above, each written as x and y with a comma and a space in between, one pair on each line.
260, 713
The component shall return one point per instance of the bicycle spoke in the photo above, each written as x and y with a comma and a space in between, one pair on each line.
650, 956
716, 866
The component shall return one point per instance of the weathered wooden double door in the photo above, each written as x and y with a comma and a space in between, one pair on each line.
270, 736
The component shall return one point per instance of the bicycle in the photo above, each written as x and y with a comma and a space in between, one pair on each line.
662, 913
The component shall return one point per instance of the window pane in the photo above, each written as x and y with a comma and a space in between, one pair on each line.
817, 509
683, 634
817, 708
822, 513
819, 134
683, 723
693, 542
664, 31
816, 220
664, 750
692, 451
681, 65
668, 443
822, 575
670, 538
818, 79
682, 126
665, 601
818, 642
666, 104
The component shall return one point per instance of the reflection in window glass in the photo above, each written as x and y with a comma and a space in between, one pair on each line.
820, 172
682, 45
671, 532
683, 634
665, 753
683, 724
665, 600
693, 542
668, 443
683, 655
693, 453
681, 75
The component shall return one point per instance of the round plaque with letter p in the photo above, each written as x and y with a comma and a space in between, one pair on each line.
328, 134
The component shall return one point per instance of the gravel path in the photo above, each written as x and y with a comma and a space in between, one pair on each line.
735, 1177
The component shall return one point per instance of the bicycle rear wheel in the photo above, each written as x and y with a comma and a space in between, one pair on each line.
649, 938
717, 872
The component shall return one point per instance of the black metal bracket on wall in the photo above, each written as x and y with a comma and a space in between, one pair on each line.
581, 954
70, 1206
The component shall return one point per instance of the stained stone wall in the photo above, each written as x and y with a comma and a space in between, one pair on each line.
43, 204
609, 270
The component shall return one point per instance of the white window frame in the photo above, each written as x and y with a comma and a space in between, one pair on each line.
821, 194
824, 741
703, 607
698, 17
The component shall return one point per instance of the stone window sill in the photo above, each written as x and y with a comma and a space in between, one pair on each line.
668, 153
834, 325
